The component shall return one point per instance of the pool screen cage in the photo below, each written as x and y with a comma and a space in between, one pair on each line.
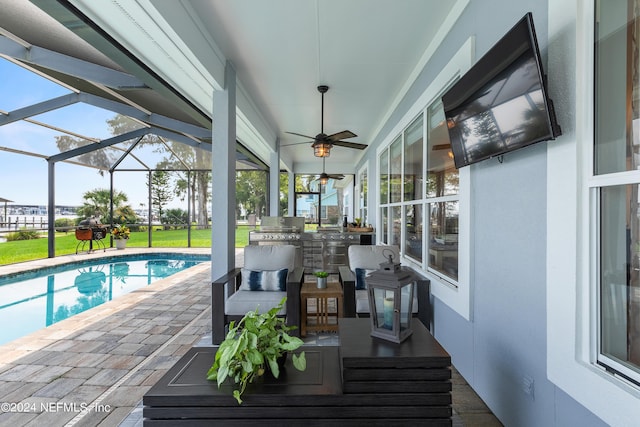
77, 107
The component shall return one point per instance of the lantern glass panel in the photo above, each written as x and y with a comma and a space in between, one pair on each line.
406, 300
384, 308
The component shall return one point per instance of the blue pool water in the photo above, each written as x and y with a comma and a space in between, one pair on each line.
32, 300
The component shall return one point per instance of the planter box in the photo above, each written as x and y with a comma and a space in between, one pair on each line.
360, 229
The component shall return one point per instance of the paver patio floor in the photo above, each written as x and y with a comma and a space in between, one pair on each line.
93, 369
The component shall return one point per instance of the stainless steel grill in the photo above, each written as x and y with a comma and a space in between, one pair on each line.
324, 250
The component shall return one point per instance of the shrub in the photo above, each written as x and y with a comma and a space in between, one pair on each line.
174, 219
64, 224
23, 234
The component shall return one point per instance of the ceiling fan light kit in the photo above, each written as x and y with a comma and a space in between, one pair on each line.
320, 149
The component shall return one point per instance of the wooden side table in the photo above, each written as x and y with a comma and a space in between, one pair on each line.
325, 320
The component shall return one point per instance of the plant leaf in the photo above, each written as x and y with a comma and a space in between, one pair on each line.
289, 346
273, 365
212, 373
300, 361
223, 372
255, 357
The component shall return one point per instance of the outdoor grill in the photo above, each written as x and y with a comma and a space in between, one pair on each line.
90, 230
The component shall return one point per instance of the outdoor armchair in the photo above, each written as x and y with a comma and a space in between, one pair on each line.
268, 275
364, 259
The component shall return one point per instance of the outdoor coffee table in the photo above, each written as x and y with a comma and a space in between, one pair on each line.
363, 381
325, 318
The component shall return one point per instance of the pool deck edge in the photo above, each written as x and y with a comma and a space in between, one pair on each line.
20, 267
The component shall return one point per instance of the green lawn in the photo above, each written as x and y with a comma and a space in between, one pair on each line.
27, 250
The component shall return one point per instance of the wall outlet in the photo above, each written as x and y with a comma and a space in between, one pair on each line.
528, 386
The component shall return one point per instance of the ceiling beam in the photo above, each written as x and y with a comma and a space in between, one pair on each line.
138, 133
152, 119
97, 146
39, 108
65, 64
155, 120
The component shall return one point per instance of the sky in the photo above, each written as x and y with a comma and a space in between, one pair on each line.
23, 179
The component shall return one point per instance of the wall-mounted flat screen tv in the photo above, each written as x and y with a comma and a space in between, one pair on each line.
501, 103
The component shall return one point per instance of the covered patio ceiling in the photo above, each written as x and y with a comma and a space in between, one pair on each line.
368, 52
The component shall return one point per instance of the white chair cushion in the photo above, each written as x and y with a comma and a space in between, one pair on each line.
242, 302
369, 257
362, 302
269, 257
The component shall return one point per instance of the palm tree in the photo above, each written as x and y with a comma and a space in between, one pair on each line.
97, 204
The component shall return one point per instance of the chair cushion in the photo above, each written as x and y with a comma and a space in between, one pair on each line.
269, 257
242, 302
361, 273
362, 302
370, 257
268, 280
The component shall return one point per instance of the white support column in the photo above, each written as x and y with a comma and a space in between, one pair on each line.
274, 182
223, 176
292, 194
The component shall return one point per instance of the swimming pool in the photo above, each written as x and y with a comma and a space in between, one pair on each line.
32, 300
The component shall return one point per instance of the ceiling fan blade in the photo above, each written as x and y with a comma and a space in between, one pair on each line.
341, 135
437, 147
336, 176
350, 145
296, 143
299, 134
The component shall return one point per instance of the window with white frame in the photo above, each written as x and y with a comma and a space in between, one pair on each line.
615, 185
409, 204
424, 203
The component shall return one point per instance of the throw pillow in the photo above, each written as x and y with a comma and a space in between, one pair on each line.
361, 273
275, 280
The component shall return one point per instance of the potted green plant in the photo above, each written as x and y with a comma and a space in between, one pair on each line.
257, 343
120, 234
322, 279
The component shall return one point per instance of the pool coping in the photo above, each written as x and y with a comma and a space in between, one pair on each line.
50, 268
23, 266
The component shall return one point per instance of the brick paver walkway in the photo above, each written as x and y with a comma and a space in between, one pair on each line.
94, 368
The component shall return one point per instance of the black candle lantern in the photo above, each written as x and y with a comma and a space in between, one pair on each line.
391, 301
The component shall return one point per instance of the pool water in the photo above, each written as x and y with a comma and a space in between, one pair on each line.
30, 301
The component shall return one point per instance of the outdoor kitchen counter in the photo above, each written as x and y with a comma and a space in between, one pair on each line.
321, 250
